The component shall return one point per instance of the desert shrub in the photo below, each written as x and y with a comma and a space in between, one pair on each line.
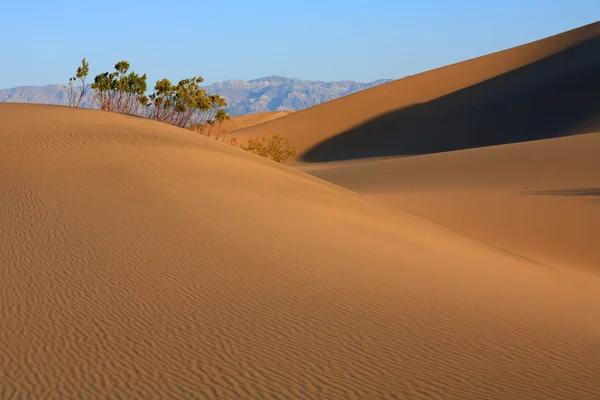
277, 148
120, 91
77, 89
186, 104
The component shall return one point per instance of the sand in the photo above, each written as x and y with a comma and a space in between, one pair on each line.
502, 148
248, 120
538, 199
141, 261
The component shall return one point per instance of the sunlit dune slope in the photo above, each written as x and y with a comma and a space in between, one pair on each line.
245, 121
538, 199
138, 260
543, 89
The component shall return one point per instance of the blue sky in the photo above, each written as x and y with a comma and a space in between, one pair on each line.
42, 41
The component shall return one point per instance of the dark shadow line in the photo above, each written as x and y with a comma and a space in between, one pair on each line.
582, 192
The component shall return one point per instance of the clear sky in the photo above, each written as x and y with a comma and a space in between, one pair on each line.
42, 41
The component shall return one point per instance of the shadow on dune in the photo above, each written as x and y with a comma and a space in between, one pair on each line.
584, 192
556, 96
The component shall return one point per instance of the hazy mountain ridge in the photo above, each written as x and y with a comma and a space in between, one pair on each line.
277, 93
272, 93
49, 94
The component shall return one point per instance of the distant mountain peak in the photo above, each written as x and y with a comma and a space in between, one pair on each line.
274, 79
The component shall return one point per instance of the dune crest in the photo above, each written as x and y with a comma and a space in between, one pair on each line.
544, 89
248, 120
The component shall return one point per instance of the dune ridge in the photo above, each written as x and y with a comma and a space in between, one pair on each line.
138, 260
539, 90
248, 120
502, 115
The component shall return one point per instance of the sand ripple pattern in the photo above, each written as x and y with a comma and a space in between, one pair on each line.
140, 261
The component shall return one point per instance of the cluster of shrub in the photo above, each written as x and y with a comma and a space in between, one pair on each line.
185, 105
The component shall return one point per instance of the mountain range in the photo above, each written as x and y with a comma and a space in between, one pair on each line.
272, 93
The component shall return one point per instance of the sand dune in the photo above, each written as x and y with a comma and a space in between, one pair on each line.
544, 89
525, 95
538, 199
140, 261
248, 120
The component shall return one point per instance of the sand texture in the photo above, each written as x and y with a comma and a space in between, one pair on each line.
538, 199
139, 260
248, 120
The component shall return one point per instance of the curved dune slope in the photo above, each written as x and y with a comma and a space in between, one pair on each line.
538, 199
543, 89
248, 120
138, 260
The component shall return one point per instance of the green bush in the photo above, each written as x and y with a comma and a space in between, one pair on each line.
76, 89
277, 148
120, 91
184, 105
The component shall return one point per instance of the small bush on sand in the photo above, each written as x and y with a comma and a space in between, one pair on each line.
186, 104
120, 91
277, 148
76, 89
